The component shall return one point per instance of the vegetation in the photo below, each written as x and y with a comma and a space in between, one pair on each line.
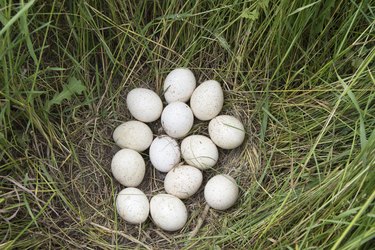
299, 74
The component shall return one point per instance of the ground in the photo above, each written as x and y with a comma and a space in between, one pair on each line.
299, 74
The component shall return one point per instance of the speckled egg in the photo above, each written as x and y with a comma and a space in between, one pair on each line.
207, 100
132, 205
226, 131
179, 85
168, 212
183, 181
199, 151
144, 104
177, 119
221, 192
128, 167
134, 135
164, 153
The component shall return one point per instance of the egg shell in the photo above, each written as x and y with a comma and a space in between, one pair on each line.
177, 119
226, 131
128, 167
179, 85
168, 212
164, 153
134, 135
221, 192
207, 100
199, 151
144, 104
132, 205
183, 181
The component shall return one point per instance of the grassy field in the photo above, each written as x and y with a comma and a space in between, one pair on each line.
299, 74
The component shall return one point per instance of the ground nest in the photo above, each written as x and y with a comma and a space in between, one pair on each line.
93, 189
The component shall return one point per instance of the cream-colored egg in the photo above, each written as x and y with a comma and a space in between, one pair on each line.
221, 192
132, 205
207, 100
177, 119
179, 85
144, 104
183, 181
128, 167
226, 131
199, 151
134, 135
164, 153
168, 212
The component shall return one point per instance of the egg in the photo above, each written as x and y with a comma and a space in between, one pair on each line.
207, 100
226, 131
128, 167
144, 104
199, 151
177, 119
221, 192
164, 153
179, 85
134, 135
132, 205
183, 181
168, 212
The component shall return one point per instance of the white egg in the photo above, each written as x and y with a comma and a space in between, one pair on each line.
144, 104
128, 167
177, 119
164, 153
132, 205
199, 151
226, 131
183, 181
207, 100
134, 135
168, 212
179, 85
221, 192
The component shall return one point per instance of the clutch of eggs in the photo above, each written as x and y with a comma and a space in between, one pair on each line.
199, 152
